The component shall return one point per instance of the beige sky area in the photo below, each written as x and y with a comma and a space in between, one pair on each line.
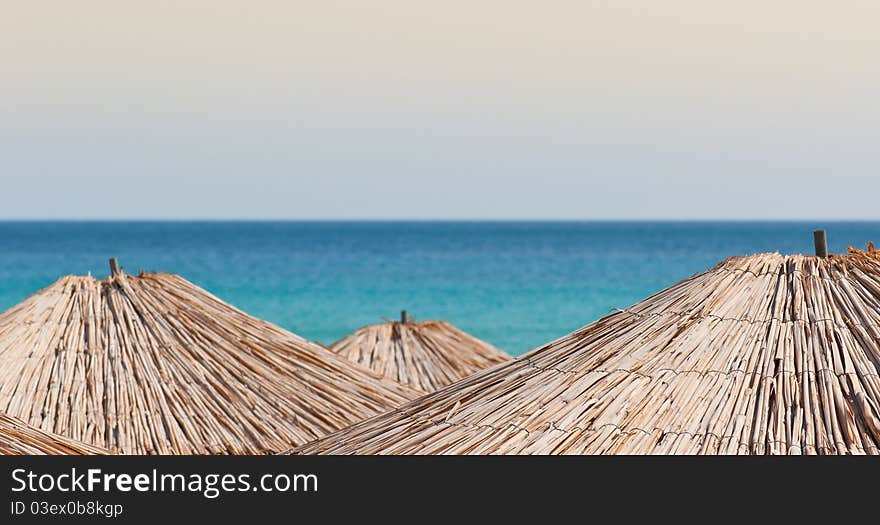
410, 109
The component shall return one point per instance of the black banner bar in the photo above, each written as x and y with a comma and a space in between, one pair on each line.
255, 489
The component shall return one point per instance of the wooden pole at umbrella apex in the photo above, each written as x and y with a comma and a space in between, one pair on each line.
820, 243
114, 266
403, 317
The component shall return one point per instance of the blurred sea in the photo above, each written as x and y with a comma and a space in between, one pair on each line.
514, 284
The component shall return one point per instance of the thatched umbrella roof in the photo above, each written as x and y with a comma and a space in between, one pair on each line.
17, 438
766, 354
156, 365
425, 355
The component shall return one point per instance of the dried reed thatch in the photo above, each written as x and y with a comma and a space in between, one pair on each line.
17, 438
155, 365
766, 354
426, 355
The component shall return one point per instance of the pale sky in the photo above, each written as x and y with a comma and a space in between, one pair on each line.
447, 109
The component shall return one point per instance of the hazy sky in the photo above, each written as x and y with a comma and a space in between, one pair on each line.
443, 109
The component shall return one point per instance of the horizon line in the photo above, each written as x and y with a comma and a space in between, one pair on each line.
470, 220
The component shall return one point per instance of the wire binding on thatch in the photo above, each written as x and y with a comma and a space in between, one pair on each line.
426, 356
17, 438
760, 355
155, 365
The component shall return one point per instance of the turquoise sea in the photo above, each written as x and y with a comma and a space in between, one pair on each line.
514, 284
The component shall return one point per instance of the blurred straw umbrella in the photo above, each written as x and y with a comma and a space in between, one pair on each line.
766, 354
153, 364
424, 355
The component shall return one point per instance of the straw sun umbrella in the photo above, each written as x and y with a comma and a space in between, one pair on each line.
17, 438
766, 354
424, 355
155, 365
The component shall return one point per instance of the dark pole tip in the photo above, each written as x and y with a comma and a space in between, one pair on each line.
114, 266
403, 316
820, 243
